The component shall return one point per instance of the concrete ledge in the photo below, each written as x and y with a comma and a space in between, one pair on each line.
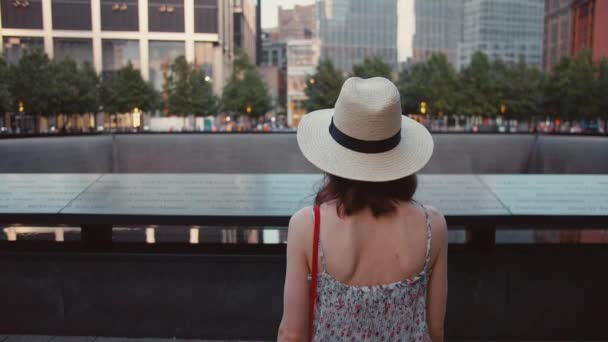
279, 153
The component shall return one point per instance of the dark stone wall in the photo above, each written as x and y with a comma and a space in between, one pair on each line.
279, 153
563, 154
90, 154
221, 153
510, 293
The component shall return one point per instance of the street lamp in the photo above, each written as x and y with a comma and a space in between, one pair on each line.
136, 118
312, 81
423, 107
248, 109
20, 119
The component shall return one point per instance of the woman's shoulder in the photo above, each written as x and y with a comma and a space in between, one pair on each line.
435, 215
301, 223
300, 232
439, 227
302, 217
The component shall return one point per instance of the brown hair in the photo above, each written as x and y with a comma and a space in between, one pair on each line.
353, 196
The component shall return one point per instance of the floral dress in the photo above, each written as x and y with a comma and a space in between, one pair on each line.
390, 312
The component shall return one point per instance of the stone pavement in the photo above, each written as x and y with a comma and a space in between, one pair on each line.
38, 338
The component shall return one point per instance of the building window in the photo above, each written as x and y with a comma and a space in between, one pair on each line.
80, 50
203, 58
22, 14
275, 57
117, 53
119, 15
162, 54
238, 34
166, 15
14, 47
71, 14
205, 16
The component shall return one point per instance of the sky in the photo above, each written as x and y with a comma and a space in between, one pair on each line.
405, 12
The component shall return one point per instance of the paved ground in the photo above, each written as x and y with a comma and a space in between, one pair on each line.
29, 338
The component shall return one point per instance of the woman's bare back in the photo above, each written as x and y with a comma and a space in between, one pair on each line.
363, 250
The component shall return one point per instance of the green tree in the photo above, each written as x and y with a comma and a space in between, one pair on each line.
519, 87
478, 89
31, 82
5, 96
204, 102
88, 89
246, 92
571, 91
602, 87
65, 87
373, 67
410, 96
189, 93
127, 90
180, 94
75, 88
323, 87
434, 82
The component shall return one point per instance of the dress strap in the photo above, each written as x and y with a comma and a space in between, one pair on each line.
320, 244
427, 258
313, 273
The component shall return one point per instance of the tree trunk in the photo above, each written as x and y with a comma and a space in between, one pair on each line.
36, 123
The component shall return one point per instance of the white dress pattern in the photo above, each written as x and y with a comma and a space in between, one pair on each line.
390, 312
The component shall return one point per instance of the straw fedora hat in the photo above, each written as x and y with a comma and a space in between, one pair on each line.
365, 137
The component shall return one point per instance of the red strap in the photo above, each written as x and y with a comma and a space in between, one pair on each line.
313, 273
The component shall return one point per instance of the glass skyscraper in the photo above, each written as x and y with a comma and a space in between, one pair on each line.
438, 29
350, 30
508, 30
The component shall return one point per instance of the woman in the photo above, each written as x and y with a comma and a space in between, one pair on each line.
379, 265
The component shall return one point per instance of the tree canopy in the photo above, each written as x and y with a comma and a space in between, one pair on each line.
5, 96
434, 82
189, 93
245, 92
602, 87
31, 82
478, 89
75, 88
574, 87
373, 67
127, 90
323, 87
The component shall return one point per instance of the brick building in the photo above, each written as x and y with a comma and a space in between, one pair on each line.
589, 27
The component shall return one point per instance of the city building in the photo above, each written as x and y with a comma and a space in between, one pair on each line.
245, 28
557, 32
302, 59
508, 30
273, 68
149, 34
274, 51
350, 30
299, 22
589, 27
290, 54
438, 29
